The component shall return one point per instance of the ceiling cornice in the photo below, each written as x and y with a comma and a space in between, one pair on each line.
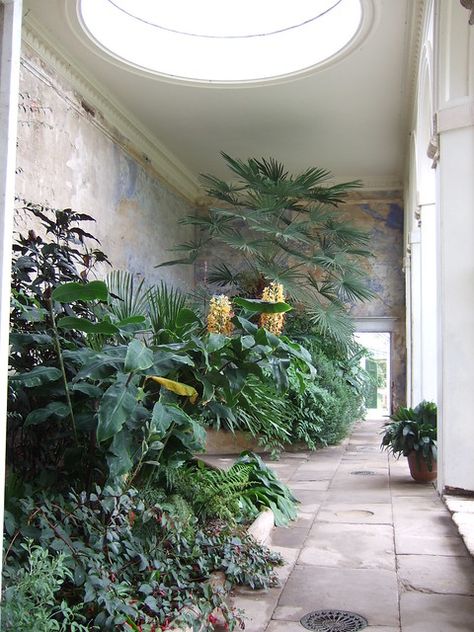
142, 141
413, 46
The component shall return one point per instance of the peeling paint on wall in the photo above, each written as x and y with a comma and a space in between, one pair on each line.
68, 156
380, 213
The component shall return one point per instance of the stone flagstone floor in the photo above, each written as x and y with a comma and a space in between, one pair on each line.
369, 540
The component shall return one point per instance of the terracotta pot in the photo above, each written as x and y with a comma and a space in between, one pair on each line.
419, 469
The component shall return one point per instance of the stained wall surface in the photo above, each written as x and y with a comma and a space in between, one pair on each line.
70, 156
380, 213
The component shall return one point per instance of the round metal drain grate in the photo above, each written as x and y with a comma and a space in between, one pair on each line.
363, 473
333, 621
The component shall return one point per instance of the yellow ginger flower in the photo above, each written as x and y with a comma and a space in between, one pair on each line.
220, 314
273, 323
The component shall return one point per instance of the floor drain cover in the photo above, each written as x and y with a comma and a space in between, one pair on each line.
363, 473
333, 621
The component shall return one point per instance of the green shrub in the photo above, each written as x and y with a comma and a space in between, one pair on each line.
30, 599
325, 409
237, 494
125, 563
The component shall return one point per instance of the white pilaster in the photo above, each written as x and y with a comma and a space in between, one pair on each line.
415, 317
429, 333
10, 44
456, 240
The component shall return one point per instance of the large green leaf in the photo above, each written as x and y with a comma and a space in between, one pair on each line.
40, 415
69, 292
119, 457
139, 357
192, 435
115, 408
36, 377
261, 307
81, 324
161, 418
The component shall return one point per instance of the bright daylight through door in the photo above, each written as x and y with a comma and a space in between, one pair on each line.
377, 364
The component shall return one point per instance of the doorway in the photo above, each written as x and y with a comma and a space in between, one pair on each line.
377, 365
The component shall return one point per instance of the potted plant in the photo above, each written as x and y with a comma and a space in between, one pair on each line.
412, 432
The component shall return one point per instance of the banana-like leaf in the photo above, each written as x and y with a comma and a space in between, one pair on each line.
38, 376
81, 324
258, 306
176, 387
139, 357
115, 408
69, 292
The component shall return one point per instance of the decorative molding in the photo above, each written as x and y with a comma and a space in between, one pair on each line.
417, 215
152, 151
413, 46
375, 324
433, 146
456, 117
469, 5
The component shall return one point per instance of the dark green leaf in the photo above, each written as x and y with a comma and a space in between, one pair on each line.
115, 408
139, 357
262, 307
81, 324
70, 292
40, 415
37, 376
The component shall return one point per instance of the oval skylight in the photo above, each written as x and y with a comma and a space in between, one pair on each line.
216, 41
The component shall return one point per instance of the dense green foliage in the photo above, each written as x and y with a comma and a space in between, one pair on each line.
109, 384
286, 228
412, 430
239, 493
122, 562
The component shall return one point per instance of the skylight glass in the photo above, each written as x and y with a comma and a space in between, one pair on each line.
217, 41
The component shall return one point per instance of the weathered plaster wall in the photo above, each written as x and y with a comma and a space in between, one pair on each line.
380, 213
69, 156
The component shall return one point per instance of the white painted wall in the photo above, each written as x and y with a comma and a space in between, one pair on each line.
442, 260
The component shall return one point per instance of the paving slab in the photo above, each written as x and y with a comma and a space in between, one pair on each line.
315, 474
432, 574
424, 544
436, 613
320, 486
366, 543
370, 593
363, 513
291, 537
349, 546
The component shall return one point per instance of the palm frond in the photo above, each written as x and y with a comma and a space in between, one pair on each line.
344, 234
213, 223
193, 248
334, 194
351, 287
128, 295
272, 169
239, 241
165, 304
222, 276
221, 190
331, 320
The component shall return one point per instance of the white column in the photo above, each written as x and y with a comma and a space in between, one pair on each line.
456, 203
455, 189
415, 317
10, 44
429, 333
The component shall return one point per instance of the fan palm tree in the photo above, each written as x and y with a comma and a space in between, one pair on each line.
284, 228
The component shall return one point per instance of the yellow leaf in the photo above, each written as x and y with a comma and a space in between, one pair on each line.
176, 387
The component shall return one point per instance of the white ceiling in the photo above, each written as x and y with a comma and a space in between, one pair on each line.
350, 117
